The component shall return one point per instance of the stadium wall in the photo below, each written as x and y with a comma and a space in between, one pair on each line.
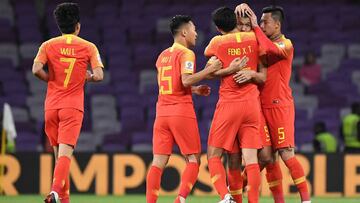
119, 174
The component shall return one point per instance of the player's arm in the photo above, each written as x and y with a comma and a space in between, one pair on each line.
96, 75
39, 63
189, 79
258, 77
236, 65
39, 72
269, 47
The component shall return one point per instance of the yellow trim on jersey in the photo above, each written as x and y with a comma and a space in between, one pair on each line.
299, 180
238, 37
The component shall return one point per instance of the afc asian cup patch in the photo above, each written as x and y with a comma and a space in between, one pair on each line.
189, 66
281, 44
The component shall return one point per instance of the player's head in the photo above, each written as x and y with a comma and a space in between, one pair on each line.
355, 108
244, 23
271, 20
225, 19
319, 127
67, 16
310, 58
181, 26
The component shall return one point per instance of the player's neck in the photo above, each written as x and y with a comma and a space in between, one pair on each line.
232, 31
275, 36
181, 41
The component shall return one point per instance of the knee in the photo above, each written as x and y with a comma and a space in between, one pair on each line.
213, 152
265, 160
194, 158
160, 162
234, 161
286, 153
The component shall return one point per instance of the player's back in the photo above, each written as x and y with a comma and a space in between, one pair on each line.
277, 91
174, 98
68, 57
227, 48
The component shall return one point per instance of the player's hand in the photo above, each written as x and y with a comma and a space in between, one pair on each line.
239, 63
243, 76
214, 64
240, 10
89, 76
202, 90
252, 16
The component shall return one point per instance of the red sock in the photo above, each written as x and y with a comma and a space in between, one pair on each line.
235, 184
298, 176
153, 180
61, 173
188, 179
218, 176
253, 174
65, 193
274, 178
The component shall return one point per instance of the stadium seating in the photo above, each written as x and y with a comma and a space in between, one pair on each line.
119, 112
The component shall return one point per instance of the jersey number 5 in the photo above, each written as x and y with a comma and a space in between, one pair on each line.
68, 70
165, 89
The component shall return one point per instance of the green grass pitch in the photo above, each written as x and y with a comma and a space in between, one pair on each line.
166, 199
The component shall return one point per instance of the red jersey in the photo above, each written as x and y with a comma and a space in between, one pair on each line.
227, 48
68, 57
276, 90
174, 99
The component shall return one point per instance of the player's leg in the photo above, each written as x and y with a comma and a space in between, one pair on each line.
224, 128
153, 178
70, 121
187, 137
274, 179
51, 129
162, 147
281, 126
250, 142
234, 174
188, 177
64, 196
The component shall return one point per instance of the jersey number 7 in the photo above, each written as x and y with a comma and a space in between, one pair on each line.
68, 70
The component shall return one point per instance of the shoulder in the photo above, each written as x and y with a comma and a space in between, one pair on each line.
215, 40
285, 43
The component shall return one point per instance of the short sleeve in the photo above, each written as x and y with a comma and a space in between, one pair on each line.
95, 59
285, 48
41, 55
210, 50
187, 61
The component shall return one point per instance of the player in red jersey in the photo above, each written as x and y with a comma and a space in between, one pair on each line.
234, 176
276, 98
175, 116
237, 113
67, 57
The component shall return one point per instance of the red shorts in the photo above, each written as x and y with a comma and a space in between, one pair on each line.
183, 131
264, 131
280, 121
236, 120
62, 126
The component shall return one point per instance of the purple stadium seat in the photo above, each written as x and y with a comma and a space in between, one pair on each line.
132, 118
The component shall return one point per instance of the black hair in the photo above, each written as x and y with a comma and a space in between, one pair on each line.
277, 12
177, 21
320, 127
355, 108
224, 18
67, 15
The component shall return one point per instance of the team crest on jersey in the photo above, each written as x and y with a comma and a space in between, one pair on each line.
281, 44
189, 66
